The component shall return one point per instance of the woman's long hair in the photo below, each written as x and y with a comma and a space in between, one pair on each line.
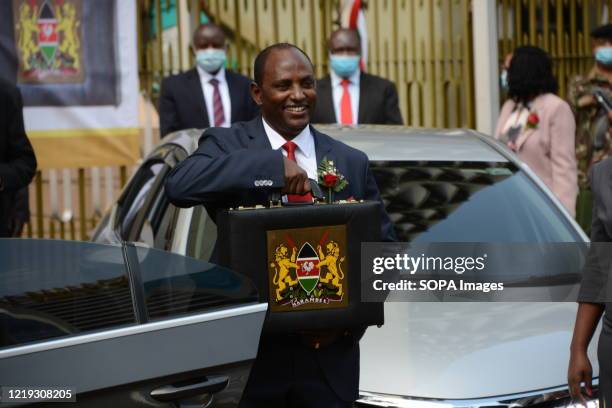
530, 74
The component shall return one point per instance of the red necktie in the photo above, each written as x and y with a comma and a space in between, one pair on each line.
217, 104
290, 147
346, 112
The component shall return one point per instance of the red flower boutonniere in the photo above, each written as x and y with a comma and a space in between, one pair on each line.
328, 176
330, 180
533, 120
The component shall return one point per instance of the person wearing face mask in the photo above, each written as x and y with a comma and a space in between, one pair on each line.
206, 95
592, 122
350, 97
538, 125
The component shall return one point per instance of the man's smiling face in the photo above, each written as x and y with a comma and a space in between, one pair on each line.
287, 93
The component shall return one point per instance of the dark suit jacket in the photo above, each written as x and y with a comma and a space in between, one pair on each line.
17, 160
378, 102
601, 185
595, 285
182, 104
223, 172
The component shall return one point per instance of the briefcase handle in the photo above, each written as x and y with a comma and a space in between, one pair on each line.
315, 190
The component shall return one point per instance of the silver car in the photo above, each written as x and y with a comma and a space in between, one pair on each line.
438, 186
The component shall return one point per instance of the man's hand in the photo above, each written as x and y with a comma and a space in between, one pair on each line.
579, 371
296, 178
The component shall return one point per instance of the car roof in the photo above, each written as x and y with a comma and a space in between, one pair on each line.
381, 142
404, 143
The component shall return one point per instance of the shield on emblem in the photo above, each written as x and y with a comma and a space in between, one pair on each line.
47, 33
308, 272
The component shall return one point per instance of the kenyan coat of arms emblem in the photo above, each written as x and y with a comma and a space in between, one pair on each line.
48, 37
306, 268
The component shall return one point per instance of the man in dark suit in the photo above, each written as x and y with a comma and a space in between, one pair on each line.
240, 166
349, 96
17, 160
206, 95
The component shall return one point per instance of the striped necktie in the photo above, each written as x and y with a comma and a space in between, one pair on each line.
217, 103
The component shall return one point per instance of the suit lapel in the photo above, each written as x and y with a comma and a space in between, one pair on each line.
323, 148
363, 92
198, 102
528, 132
523, 137
234, 93
257, 134
327, 113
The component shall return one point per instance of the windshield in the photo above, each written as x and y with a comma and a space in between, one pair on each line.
468, 202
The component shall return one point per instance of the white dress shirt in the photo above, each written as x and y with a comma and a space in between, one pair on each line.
208, 90
305, 154
338, 90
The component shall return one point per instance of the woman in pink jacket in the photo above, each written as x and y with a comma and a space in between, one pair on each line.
538, 125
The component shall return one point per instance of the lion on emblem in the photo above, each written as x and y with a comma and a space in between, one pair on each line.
282, 277
334, 266
28, 28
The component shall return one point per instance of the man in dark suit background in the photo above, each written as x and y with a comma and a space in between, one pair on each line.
349, 96
240, 166
17, 160
206, 95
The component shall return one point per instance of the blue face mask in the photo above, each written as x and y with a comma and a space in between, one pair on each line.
344, 65
503, 78
210, 59
603, 55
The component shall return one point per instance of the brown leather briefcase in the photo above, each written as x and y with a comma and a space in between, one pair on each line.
304, 261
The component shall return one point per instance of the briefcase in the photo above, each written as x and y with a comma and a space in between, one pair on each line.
304, 261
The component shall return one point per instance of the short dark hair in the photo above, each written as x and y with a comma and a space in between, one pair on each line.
206, 25
530, 74
351, 31
260, 60
603, 32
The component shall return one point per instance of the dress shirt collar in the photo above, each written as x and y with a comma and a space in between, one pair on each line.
337, 80
304, 140
205, 77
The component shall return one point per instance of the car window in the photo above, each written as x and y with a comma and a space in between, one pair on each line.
159, 221
135, 198
468, 202
202, 235
162, 218
164, 225
175, 285
50, 289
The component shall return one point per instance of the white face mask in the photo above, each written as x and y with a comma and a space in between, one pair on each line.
503, 77
211, 59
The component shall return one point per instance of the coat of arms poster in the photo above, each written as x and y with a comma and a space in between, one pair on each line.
76, 65
49, 39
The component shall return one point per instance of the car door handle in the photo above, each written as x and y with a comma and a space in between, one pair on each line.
210, 385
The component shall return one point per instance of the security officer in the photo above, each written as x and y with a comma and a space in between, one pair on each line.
592, 127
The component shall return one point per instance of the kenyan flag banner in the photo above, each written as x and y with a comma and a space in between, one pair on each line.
48, 40
308, 272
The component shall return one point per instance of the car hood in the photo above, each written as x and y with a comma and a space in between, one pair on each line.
468, 350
